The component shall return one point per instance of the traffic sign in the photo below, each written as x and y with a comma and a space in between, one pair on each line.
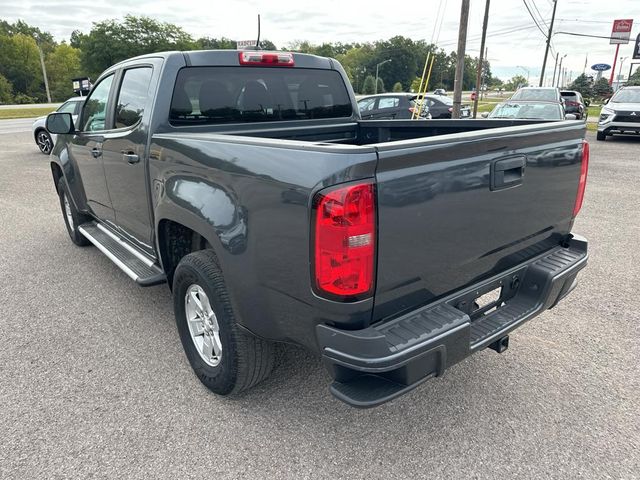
621, 31
600, 67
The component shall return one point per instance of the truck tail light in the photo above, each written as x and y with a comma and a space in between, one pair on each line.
583, 178
344, 241
268, 59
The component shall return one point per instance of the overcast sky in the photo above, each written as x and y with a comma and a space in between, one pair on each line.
514, 41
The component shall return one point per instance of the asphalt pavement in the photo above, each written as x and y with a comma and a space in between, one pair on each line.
94, 382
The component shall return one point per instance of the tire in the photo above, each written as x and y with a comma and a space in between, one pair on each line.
44, 141
236, 360
601, 136
72, 218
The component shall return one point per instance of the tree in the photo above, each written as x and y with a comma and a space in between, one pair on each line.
397, 87
20, 64
582, 84
369, 86
601, 88
516, 82
635, 78
63, 64
6, 90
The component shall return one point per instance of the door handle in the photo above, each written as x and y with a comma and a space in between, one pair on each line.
96, 152
507, 172
130, 157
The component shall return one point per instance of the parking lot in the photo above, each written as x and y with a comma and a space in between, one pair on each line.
94, 382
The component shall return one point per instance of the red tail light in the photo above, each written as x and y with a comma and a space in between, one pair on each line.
344, 240
572, 104
269, 59
583, 177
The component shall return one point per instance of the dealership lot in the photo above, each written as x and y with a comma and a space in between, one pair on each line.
93, 379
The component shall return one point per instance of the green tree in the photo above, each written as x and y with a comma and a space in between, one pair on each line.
397, 87
63, 64
601, 88
380, 88
582, 84
516, 82
6, 90
20, 64
634, 79
369, 86
112, 41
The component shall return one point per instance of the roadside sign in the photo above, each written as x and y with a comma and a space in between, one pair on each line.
636, 48
243, 44
600, 67
621, 31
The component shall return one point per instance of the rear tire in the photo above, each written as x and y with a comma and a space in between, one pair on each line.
72, 217
601, 136
226, 358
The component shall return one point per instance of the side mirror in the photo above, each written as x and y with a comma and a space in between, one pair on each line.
484, 114
570, 116
60, 123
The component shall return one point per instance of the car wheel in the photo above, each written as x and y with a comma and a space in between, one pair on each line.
601, 136
226, 358
72, 218
44, 141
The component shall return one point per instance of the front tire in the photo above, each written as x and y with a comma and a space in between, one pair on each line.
601, 136
44, 141
72, 217
226, 358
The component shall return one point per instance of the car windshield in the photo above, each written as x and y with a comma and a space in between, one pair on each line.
536, 94
537, 111
627, 96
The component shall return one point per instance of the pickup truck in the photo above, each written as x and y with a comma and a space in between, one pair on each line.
248, 182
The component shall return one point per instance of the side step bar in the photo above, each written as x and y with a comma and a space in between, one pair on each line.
138, 266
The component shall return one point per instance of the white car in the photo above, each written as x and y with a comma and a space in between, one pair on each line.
46, 140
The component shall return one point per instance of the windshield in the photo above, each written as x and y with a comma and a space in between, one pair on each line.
215, 95
536, 94
537, 111
627, 96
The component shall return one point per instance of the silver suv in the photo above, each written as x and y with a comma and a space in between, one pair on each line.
621, 114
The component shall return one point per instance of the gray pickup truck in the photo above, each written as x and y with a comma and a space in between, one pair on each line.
249, 183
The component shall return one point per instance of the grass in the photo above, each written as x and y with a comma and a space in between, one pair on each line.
24, 112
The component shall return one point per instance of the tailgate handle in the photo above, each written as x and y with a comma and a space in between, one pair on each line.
507, 172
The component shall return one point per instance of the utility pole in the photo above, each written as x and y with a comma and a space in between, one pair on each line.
560, 68
555, 67
44, 73
462, 43
546, 52
481, 59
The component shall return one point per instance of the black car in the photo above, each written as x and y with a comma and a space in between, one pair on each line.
574, 103
441, 106
394, 106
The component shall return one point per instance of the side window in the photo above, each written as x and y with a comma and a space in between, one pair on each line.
78, 108
133, 96
366, 104
67, 107
388, 102
94, 114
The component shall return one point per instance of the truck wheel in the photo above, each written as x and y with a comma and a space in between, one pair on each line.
601, 136
225, 358
44, 141
72, 217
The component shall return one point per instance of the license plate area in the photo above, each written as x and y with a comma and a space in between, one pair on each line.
487, 302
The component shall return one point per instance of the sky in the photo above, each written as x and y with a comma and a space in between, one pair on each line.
514, 43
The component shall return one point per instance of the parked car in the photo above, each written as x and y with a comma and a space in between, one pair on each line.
248, 182
45, 140
441, 107
538, 94
621, 114
574, 103
440, 91
530, 111
397, 106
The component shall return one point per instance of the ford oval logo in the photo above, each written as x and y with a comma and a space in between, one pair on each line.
600, 67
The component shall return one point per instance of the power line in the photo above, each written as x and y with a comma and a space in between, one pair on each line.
539, 14
533, 18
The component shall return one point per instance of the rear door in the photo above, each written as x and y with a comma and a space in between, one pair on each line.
124, 153
459, 208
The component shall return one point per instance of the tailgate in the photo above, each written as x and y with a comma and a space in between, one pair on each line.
458, 208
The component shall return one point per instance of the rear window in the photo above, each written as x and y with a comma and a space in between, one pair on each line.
569, 94
536, 94
218, 95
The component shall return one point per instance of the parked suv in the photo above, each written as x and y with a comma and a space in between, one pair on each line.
621, 114
391, 106
574, 104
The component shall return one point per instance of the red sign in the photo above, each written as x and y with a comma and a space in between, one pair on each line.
621, 31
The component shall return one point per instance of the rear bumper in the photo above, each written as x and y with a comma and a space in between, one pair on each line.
376, 364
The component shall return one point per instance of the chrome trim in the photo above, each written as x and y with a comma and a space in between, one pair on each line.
131, 249
130, 273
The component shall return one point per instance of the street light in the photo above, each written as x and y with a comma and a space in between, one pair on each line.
526, 70
560, 69
622, 59
377, 67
